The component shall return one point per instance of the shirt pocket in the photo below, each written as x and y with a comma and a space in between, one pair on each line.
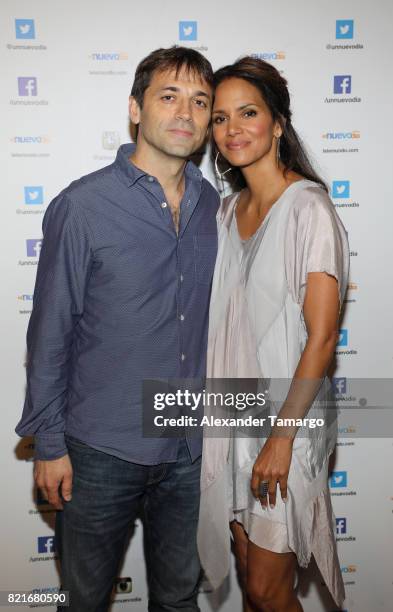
205, 250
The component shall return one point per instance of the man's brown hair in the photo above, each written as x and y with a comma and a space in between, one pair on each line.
174, 58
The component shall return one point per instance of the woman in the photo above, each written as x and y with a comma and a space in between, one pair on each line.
279, 282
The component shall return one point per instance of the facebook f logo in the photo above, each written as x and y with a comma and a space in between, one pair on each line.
34, 195
341, 526
343, 338
27, 86
24, 28
342, 84
188, 30
46, 544
338, 479
344, 28
339, 385
33, 247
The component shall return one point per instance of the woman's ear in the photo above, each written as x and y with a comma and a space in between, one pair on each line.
279, 126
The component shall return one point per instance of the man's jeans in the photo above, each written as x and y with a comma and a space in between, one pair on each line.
92, 530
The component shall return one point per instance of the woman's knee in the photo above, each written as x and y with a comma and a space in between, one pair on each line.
260, 594
267, 596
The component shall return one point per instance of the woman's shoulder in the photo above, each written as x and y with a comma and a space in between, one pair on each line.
313, 212
310, 192
309, 197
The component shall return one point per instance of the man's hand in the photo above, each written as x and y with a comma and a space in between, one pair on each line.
50, 476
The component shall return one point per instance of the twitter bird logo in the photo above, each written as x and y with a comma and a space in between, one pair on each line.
341, 189
188, 30
344, 28
338, 479
342, 337
24, 28
34, 195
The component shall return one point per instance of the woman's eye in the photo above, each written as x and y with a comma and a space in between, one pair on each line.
218, 120
250, 113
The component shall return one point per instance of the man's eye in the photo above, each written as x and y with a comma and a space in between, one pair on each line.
167, 98
201, 103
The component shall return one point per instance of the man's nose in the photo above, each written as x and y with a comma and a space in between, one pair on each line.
184, 110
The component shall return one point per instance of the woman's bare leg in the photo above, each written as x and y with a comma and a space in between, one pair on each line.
240, 540
270, 580
266, 578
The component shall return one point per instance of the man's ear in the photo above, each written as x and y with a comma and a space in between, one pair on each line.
134, 111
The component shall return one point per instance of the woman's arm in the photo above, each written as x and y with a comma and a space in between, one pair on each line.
321, 310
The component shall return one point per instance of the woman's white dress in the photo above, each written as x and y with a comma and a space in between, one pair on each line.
256, 329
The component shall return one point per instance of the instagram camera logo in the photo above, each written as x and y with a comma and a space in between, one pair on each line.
33, 247
27, 86
24, 28
123, 585
188, 30
342, 84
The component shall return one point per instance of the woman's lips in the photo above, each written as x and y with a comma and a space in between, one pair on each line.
236, 146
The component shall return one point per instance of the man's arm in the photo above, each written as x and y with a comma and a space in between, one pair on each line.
62, 277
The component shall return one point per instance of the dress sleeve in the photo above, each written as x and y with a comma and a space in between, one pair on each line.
316, 241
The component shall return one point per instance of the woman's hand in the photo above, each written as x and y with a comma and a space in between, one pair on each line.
272, 465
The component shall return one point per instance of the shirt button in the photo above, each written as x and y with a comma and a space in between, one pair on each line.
183, 356
150, 179
182, 317
181, 278
164, 205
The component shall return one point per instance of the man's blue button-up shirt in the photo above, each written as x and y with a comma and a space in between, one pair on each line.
119, 297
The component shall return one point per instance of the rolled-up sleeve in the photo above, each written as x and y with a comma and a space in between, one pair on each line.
62, 276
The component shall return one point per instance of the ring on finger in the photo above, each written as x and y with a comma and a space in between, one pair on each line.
264, 488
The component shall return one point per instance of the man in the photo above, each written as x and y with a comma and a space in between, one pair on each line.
122, 295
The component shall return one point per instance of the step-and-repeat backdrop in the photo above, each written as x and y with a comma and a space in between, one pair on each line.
67, 72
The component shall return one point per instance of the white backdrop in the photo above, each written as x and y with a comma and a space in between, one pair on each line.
67, 72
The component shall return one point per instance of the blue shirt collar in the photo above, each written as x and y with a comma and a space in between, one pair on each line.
133, 174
